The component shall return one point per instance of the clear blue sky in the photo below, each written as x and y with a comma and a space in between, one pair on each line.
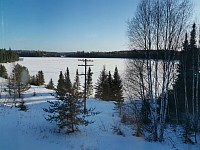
67, 25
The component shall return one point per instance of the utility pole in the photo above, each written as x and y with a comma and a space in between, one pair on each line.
85, 74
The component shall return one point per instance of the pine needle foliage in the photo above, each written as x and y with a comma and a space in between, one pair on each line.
109, 87
89, 86
3, 72
50, 85
67, 111
61, 89
68, 84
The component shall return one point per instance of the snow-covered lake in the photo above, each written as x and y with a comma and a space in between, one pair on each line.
51, 66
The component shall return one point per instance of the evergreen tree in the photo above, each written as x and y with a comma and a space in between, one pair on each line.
50, 85
186, 87
117, 87
61, 89
118, 91
77, 85
22, 106
20, 79
33, 80
193, 44
106, 90
187, 76
102, 85
89, 86
110, 88
180, 86
40, 78
10, 86
68, 111
68, 84
8, 56
37, 79
3, 72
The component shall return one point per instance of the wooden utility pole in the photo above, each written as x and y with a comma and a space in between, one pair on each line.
85, 74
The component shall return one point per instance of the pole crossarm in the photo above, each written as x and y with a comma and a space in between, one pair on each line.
88, 60
84, 74
85, 65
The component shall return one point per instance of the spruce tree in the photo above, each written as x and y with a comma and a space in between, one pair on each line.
61, 88
40, 78
89, 86
3, 72
10, 86
118, 91
109, 88
20, 78
50, 85
101, 85
8, 56
22, 106
181, 83
186, 87
195, 86
68, 84
106, 90
193, 44
117, 86
68, 111
33, 80
77, 85
191, 69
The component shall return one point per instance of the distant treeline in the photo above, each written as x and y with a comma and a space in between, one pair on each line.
140, 54
8, 56
34, 53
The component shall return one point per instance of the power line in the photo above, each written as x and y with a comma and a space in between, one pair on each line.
85, 74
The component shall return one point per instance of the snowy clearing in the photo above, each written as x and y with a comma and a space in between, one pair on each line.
21, 130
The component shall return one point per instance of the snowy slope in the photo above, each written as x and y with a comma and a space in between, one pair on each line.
29, 130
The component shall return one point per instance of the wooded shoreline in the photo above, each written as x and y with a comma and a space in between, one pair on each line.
140, 54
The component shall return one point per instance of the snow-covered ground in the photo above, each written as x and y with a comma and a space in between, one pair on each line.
21, 130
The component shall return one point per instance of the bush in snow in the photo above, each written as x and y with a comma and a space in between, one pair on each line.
117, 129
22, 106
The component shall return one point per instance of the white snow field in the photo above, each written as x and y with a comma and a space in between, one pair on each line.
29, 130
51, 66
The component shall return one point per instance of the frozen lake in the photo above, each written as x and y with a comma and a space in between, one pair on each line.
51, 66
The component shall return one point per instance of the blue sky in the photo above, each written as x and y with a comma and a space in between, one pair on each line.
67, 25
